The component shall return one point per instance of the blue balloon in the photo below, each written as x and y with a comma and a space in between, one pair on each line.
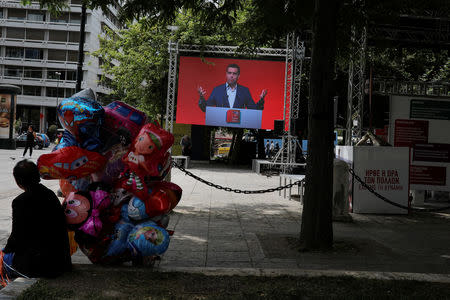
136, 209
124, 213
82, 116
67, 140
148, 239
119, 243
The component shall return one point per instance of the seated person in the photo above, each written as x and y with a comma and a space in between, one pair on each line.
38, 245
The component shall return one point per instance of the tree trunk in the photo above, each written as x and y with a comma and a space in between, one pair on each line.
235, 148
317, 228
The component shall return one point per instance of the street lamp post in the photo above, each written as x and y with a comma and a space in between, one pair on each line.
57, 95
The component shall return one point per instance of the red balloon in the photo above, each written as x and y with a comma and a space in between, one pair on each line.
70, 163
66, 187
172, 190
147, 158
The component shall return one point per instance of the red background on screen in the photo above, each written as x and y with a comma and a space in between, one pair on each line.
255, 74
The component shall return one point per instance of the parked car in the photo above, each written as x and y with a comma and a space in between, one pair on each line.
21, 141
223, 149
45, 139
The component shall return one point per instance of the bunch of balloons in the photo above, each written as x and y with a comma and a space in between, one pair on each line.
111, 163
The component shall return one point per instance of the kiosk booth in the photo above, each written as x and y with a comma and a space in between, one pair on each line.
8, 102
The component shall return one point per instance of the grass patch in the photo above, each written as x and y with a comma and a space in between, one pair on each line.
126, 283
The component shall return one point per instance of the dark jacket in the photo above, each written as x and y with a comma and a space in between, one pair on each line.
39, 234
243, 99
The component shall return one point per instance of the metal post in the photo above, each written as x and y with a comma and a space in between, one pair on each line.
57, 95
81, 49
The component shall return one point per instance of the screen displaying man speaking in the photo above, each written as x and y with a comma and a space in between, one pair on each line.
230, 92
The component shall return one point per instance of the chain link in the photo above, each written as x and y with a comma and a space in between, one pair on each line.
370, 189
352, 172
228, 189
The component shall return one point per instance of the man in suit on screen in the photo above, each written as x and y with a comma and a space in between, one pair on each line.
231, 94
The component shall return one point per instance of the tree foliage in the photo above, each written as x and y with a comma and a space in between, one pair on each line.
134, 62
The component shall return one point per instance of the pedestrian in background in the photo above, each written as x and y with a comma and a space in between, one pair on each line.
186, 145
31, 135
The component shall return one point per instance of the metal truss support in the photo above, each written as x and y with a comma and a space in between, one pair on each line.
294, 54
356, 81
171, 86
293, 76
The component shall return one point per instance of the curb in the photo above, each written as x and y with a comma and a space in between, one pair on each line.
16, 287
425, 277
212, 271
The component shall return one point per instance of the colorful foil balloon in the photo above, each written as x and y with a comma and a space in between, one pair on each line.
148, 157
148, 239
124, 120
119, 243
82, 116
70, 163
83, 210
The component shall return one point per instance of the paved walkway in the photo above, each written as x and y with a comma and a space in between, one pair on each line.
218, 231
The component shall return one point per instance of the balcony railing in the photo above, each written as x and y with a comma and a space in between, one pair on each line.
389, 87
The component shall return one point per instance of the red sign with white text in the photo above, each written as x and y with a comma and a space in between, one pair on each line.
407, 133
427, 175
432, 152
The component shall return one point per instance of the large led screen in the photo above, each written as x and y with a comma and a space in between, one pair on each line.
215, 79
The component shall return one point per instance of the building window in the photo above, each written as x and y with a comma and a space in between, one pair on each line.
75, 2
71, 75
57, 55
54, 92
35, 15
72, 55
15, 33
75, 18
33, 53
16, 14
13, 71
34, 34
74, 37
51, 74
31, 90
69, 92
14, 52
33, 72
57, 36
61, 18
1, 13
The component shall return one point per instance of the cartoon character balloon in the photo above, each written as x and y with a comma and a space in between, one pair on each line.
148, 157
70, 163
83, 210
147, 239
82, 116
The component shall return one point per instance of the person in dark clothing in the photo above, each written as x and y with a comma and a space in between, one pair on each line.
31, 135
186, 145
38, 245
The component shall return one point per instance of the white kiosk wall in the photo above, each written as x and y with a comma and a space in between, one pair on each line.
386, 170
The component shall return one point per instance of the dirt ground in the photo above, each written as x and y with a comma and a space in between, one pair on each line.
94, 282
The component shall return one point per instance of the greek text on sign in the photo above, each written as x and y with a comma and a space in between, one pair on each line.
382, 179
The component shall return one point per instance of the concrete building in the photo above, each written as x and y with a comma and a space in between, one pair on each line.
39, 53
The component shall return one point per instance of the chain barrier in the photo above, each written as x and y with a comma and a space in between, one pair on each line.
228, 189
370, 189
352, 172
